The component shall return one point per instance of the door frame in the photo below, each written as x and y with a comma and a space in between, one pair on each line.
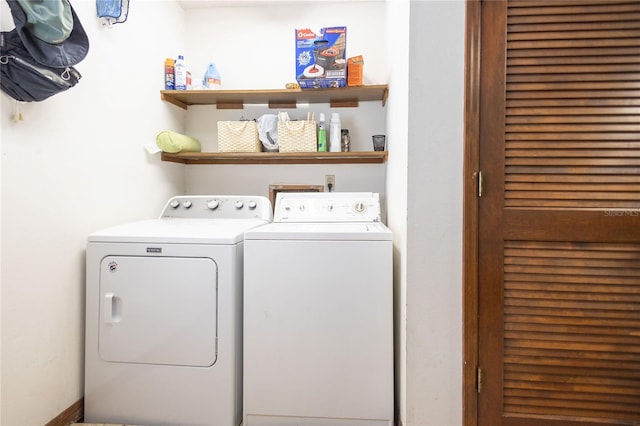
471, 162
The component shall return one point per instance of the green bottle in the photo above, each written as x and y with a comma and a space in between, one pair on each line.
322, 135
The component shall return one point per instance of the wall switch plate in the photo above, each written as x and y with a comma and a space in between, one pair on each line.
329, 183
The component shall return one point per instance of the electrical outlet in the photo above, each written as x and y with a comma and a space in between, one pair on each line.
329, 183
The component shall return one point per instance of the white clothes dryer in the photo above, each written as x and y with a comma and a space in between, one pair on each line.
318, 314
164, 314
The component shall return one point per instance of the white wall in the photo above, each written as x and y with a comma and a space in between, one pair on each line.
254, 47
434, 214
76, 164
397, 175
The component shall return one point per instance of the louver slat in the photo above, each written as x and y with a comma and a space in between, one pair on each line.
572, 105
572, 333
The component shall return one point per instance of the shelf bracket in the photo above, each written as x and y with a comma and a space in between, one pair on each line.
230, 105
173, 101
385, 95
285, 104
344, 103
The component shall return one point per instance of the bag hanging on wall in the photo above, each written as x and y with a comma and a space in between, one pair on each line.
297, 136
26, 80
51, 33
37, 57
238, 136
112, 11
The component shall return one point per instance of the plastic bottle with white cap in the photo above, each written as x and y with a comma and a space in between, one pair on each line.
335, 133
180, 69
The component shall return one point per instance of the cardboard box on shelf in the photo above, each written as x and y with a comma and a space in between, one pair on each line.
321, 59
355, 71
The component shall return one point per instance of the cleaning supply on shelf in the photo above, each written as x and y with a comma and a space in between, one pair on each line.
212, 78
169, 74
322, 135
355, 67
335, 133
346, 141
180, 69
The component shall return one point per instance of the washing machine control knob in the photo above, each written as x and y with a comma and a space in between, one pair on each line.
360, 207
252, 205
213, 204
187, 204
175, 204
239, 204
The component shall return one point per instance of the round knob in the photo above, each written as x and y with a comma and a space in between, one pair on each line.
174, 204
187, 204
239, 204
213, 204
252, 205
360, 207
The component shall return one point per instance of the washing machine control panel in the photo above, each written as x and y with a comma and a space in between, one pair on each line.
218, 207
327, 207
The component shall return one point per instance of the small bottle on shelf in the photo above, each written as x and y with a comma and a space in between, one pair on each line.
335, 133
346, 141
181, 73
322, 135
169, 74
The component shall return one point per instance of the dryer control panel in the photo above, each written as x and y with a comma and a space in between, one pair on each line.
218, 207
327, 207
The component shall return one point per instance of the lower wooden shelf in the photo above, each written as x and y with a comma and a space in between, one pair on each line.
354, 157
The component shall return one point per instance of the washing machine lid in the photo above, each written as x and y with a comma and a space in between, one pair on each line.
374, 231
179, 230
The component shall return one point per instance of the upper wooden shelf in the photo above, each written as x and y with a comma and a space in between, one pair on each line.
277, 98
277, 157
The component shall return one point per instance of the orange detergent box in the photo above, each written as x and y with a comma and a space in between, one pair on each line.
355, 68
321, 58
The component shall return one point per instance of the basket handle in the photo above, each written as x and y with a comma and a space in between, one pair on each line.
297, 127
240, 128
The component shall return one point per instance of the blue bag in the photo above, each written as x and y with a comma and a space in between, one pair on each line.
37, 57
113, 11
25, 79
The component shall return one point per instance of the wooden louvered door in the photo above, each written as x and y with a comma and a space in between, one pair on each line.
559, 213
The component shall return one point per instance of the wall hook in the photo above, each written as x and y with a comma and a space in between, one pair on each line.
16, 117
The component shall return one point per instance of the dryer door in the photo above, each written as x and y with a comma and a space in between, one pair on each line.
158, 310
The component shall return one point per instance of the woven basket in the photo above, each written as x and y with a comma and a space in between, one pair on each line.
238, 136
297, 136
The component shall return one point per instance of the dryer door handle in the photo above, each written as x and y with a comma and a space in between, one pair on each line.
111, 308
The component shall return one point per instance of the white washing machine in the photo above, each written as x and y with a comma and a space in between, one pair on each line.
164, 314
318, 313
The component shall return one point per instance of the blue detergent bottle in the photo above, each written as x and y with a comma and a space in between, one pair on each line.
212, 78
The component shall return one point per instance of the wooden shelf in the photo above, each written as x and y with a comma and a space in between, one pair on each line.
361, 157
276, 98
